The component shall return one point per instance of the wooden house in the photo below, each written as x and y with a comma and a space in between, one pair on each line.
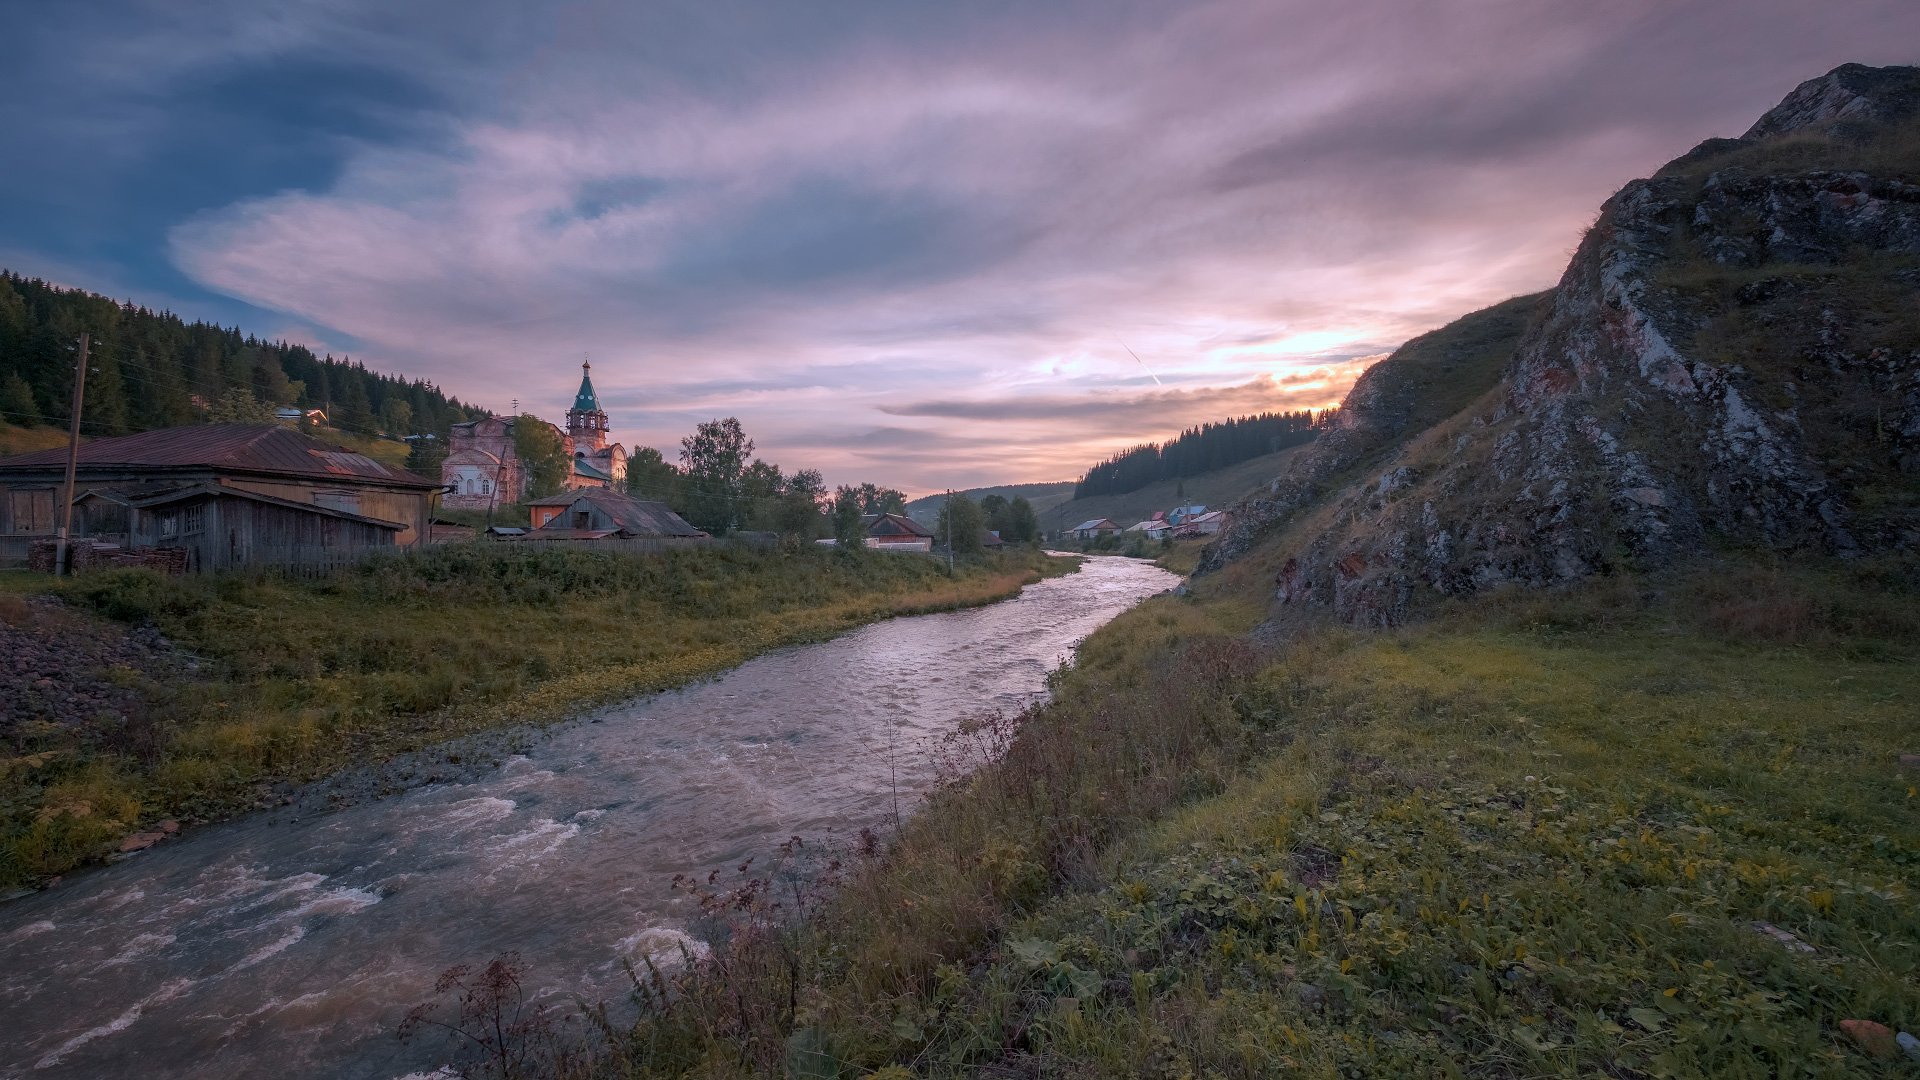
228, 494
897, 532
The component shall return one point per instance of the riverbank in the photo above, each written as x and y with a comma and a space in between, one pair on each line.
276, 682
1651, 827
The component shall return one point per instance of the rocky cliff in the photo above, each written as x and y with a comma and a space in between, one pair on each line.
1731, 358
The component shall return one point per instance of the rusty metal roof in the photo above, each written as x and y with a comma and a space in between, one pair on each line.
893, 525
220, 491
635, 517
255, 448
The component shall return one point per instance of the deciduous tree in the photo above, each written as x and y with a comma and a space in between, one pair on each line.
542, 455
714, 460
961, 523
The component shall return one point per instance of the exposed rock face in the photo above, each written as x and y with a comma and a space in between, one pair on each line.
1733, 355
1847, 99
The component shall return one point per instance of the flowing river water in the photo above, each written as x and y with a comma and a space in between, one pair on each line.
290, 944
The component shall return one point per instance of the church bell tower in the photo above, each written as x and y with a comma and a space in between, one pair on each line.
586, 421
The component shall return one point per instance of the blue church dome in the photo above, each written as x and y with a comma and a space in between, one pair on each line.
586, 400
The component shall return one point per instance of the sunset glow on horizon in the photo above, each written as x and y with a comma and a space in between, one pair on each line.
925, 246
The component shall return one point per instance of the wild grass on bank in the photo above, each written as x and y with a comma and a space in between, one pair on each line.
1653, 828
304, 678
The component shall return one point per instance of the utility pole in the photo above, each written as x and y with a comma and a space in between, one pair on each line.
73, 461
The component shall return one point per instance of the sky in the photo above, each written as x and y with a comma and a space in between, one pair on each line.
926, 244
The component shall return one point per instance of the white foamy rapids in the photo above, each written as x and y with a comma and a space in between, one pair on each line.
167, 992
520, 771
333, 902
241, 888
116, 901
467, 813
140, 946
28, 931
534, 844
665, 946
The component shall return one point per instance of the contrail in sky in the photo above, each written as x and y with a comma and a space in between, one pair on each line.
1137, 360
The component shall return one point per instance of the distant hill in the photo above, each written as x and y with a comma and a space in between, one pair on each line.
1058, 509
1204, 448
1215, 489
152, 369
1042, 496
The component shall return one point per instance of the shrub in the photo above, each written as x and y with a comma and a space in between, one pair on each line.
134, 595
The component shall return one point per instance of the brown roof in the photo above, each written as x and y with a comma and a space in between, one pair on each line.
544, 533
639, 517
219, 492
254, 448
894, 525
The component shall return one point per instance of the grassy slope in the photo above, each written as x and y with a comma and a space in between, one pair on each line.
1527, 840
26, 440
1043, 496
386, 451
1215, 489
308, 678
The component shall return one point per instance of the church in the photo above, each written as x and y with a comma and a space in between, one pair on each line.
482, 471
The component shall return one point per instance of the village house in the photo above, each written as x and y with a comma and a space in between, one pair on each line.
1209, 523
896, 532
1155, 528
1204, 524
597, 515
482, 470
224, 494
1094, 529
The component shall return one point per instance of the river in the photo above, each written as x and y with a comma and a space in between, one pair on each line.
291, 943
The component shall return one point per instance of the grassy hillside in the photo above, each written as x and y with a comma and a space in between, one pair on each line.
1214, 489
1043, 496
1653, 827
25, 440
386, 451
305, 678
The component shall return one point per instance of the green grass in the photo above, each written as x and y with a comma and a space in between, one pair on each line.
1529, 838
307, 678
1888, 152
15, 439
386, 451
1182, 556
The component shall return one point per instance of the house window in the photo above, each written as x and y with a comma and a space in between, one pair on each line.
169, 523
31, 511
486, 487
191, 518
581, 519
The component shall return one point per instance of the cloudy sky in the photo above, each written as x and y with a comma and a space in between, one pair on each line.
922, 243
